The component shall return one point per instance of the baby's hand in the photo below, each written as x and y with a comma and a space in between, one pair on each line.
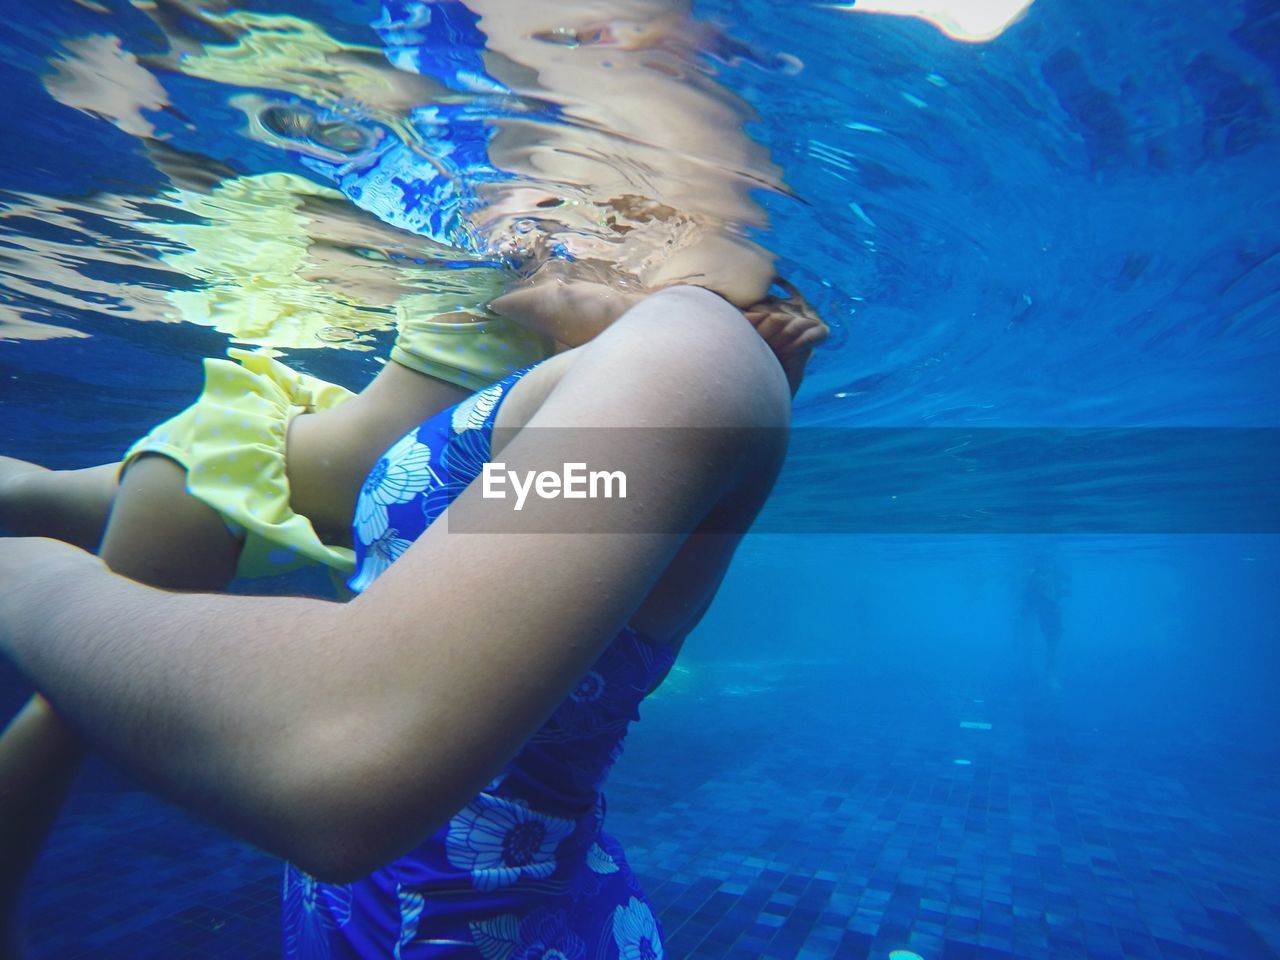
791, 328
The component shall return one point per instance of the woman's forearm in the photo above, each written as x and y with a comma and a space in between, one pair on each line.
334, 740
199, 695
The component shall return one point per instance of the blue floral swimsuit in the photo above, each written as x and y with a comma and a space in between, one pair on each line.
525, 870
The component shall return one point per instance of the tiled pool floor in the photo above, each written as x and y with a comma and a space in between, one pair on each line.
782, 820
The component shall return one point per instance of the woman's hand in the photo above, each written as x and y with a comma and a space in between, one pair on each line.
791, 328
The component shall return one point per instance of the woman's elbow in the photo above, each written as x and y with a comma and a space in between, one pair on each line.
339, 838
344, 810
332, 858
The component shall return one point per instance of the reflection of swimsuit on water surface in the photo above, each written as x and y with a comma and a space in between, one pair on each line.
429, 187
525, 869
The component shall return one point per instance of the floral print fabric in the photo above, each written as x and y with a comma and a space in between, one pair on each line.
525, 871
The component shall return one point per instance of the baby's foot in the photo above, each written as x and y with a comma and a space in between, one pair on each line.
12, 489
12, 494
68, 505
11, 467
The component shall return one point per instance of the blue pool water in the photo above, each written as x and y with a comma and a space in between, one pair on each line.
1075, 227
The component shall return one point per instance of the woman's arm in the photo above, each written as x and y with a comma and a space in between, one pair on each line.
340, 735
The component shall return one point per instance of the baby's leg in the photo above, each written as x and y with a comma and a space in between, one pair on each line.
157, 534
160, 535
39, 760
68, 505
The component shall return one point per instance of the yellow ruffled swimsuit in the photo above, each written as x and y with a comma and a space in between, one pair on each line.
250, 245
231, 441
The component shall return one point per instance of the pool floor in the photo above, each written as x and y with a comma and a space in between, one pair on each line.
847, 828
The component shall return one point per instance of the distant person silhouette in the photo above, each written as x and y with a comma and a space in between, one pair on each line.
1041, 608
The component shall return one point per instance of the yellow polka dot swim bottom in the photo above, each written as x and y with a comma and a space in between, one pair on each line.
231, 442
